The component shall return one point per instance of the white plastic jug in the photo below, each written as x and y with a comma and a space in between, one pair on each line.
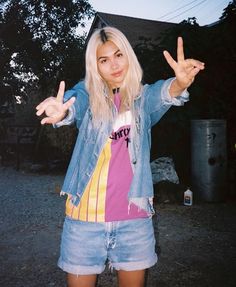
188, 197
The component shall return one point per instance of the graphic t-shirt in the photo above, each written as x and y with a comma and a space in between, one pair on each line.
105, 198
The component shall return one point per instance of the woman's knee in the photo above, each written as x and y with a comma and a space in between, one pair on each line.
81, 280
131, 278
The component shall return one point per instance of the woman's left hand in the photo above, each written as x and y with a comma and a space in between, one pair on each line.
185, 69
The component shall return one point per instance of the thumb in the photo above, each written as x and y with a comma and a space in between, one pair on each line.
69, 103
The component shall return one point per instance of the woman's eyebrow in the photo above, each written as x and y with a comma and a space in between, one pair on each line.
104, 57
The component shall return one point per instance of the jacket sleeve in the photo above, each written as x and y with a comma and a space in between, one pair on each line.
77, 111
159, 100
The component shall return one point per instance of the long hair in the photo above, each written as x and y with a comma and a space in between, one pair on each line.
100, 101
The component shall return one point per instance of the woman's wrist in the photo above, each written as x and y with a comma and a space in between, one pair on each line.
175, 89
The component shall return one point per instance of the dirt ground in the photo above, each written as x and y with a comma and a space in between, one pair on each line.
196, 245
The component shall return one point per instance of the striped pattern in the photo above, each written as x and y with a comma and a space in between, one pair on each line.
92, 205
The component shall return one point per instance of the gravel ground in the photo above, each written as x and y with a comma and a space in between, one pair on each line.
196, 244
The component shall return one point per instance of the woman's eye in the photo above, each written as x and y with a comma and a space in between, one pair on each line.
119, 55
103, 61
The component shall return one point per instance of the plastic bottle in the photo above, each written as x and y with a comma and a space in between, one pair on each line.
188, 197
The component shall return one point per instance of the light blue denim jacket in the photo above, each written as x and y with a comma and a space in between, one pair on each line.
152, 103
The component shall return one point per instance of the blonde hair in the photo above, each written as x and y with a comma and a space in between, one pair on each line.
97, 88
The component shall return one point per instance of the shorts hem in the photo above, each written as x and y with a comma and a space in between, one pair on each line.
132, 266
80, 270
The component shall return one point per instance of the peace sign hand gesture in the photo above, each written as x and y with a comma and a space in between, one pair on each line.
185, 69
54, 108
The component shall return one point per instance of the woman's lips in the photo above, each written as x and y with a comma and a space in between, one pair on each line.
117, 74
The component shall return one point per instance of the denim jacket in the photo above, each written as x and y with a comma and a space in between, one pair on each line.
152, 103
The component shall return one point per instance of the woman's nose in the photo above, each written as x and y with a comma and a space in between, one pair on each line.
114, 64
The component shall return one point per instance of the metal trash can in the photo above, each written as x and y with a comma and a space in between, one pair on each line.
208, 159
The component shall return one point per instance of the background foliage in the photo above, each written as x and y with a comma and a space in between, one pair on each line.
213, 93
40, 46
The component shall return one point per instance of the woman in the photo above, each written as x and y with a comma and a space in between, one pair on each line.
109, 182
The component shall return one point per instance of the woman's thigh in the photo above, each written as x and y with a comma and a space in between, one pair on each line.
127, 245
133, 245
83, 251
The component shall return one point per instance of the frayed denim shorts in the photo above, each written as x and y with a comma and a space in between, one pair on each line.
127, 245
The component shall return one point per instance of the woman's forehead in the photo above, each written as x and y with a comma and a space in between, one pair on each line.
107, 49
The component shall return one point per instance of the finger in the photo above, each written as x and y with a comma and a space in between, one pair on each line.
45, 121
40, 112
48, 120
61, 91
39, 106
169, 59
194, 72
69, 103
195, 64
45, 104
180, 49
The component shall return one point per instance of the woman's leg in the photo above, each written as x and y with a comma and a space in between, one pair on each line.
81, 280
81, 254
131, 278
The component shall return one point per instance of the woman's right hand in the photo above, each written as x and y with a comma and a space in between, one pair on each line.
54, 108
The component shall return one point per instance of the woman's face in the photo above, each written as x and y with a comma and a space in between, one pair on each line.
112, 64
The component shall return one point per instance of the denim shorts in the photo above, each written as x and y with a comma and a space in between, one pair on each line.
127, 245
